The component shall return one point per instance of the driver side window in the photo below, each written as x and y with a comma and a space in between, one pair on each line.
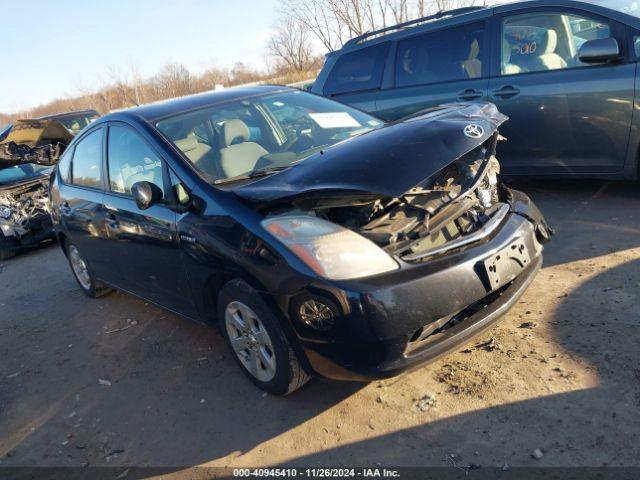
131, 160
542, 41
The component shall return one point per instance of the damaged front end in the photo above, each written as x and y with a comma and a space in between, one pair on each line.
417, 188
24, 207
29, 147
437, 214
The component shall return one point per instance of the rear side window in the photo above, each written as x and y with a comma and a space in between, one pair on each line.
448, 55
358, 71
86, 167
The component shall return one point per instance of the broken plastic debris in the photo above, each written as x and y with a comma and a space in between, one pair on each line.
537, 454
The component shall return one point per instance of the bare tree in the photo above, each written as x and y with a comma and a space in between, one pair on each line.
319, 20
290, 45
333, 22
174, 80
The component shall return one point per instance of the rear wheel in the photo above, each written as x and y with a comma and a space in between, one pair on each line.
82, 274
259, 345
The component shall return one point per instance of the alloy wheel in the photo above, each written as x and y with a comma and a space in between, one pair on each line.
250, 341
79, 268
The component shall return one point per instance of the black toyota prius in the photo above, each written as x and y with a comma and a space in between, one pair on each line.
323, 241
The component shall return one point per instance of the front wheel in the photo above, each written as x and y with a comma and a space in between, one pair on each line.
259, 345
82, 274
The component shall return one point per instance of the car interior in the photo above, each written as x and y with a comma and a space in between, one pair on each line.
431, 58
533, 43
225, 144
131, 161
237, 139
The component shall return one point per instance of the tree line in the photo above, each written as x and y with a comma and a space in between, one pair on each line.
304, 31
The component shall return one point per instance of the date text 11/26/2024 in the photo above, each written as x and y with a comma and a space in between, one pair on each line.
316, 472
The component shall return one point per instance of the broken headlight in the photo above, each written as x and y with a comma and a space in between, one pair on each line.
330, 250
5, 212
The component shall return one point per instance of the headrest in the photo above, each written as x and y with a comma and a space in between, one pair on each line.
234, 129
550, 42
475, 50
506, 52
187, 144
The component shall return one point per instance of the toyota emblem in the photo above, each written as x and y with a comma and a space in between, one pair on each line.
473, 130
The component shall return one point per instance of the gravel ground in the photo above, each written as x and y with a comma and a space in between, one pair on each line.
117, 381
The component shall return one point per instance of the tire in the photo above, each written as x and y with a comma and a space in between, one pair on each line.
82, 274
6, 254
257, 341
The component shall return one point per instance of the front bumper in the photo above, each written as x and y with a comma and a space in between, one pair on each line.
379, 334
40, 228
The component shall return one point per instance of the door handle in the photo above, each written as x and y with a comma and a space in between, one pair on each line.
470, 94
65, 208
508, 91
111, 221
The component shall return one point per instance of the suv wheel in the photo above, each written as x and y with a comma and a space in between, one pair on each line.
259, 345
81, 272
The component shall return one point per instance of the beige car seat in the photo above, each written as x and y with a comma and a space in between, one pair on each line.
238, 155
472, 65
200, 154
542, 55
507, 67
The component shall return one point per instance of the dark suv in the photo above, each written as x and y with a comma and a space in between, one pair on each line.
564, 72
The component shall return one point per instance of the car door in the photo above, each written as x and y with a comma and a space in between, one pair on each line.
430, 69
565, 116
81, 207
355, 77
144, 247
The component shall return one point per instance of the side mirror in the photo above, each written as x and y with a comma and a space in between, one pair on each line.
601, 50
146, 194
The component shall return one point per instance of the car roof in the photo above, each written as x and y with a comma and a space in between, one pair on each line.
166, 108
75, 113
466, 15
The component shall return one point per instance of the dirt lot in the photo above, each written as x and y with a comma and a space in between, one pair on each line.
116, 381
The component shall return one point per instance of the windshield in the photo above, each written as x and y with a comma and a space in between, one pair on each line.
631, 7
262, 135
20, 172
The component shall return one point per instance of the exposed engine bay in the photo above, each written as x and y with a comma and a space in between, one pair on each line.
450, 205
48, 154
20, 206
34, 141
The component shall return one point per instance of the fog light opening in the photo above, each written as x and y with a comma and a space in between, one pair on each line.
317, 315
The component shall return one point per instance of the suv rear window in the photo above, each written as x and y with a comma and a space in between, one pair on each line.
448, 55
357, 71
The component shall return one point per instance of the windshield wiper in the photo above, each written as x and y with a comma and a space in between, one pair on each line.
263, 172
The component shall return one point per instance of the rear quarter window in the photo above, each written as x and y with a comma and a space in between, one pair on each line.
86, 167
358, 71
64, 166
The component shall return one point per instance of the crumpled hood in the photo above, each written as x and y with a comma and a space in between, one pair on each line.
386, 162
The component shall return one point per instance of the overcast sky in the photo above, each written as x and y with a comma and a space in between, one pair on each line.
51, 48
